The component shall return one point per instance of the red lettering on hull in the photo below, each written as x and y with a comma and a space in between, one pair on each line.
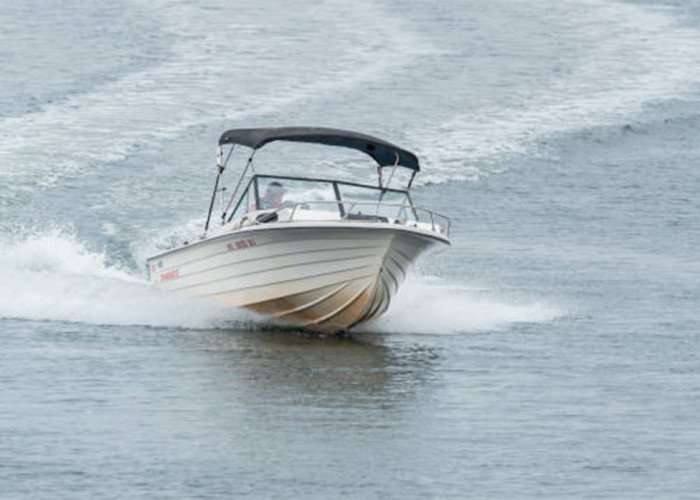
170, 275
240, 245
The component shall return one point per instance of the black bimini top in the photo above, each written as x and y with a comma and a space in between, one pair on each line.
384, 153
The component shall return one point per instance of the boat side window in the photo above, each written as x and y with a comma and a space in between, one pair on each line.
246, 204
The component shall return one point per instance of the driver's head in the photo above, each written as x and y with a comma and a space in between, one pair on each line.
275, 192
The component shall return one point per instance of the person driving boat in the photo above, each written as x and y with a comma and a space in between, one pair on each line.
273, 197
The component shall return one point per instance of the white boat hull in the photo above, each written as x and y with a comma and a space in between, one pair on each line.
324, 277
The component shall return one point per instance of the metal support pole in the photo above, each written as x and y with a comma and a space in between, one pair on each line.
240, 181
391, 175
213, 197
388, 182
339, 199
413, 175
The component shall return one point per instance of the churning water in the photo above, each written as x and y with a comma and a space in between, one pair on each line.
551, 351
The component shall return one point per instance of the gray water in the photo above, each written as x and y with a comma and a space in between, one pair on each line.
552, 351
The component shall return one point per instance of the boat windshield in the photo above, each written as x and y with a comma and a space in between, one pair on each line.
337, 198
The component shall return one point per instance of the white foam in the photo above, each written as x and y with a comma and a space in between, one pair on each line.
432, 306
53, 276
153, 242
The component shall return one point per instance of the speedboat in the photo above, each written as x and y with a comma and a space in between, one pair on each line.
319, 253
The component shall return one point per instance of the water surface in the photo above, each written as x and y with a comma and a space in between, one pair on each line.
550, 352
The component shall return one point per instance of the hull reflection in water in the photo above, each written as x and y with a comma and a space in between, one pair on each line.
329, 260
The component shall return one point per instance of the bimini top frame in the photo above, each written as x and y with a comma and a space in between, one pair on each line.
384, 153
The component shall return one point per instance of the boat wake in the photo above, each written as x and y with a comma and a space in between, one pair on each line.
193, 84
53, 276
642, 55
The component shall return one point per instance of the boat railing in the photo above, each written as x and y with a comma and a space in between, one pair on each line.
369, 211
